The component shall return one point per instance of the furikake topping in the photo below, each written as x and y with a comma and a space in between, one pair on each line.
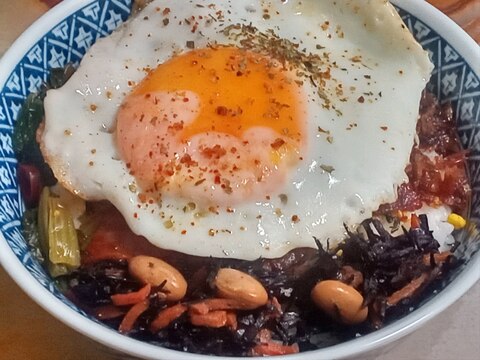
309, 67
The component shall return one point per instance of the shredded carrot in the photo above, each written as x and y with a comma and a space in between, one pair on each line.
132, 315
166, 316
232, 320
408, 290
437, 257
108, 312
132, 297
214, 319
414, 221
208, 305
273, 348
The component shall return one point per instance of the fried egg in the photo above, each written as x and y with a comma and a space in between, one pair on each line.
241, 129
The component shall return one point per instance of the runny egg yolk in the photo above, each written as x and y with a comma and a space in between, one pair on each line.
218, 126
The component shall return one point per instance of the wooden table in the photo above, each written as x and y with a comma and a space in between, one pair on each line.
30, 333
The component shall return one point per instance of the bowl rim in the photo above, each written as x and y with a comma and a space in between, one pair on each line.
443, 25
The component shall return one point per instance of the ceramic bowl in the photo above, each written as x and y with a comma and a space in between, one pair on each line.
64, 35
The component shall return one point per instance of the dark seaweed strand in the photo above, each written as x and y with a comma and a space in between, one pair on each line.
387, 263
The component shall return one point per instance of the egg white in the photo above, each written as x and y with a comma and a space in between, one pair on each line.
356, 153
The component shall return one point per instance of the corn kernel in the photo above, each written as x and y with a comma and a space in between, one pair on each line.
457, 221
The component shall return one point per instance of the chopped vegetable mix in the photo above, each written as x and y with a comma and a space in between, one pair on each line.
389, 273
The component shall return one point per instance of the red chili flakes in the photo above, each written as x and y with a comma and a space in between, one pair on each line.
169, 170
194, 27
142, 197
384, 128
215, 152
187, 160
176, 126
361, 99
295, 219
326, 75
277, 144
166, 11
226, 186
222, 111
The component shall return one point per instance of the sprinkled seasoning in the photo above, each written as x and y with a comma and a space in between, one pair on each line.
310, 67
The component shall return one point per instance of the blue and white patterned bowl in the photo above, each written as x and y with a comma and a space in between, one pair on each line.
65, 34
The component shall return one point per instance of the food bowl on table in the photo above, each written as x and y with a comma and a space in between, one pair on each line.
64, 35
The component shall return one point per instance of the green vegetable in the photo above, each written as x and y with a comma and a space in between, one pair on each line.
29, 118
58, 237
24, 139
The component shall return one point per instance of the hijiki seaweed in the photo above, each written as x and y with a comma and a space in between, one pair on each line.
385, 264
393, 273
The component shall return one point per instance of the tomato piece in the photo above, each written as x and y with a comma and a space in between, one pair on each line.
113, 240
